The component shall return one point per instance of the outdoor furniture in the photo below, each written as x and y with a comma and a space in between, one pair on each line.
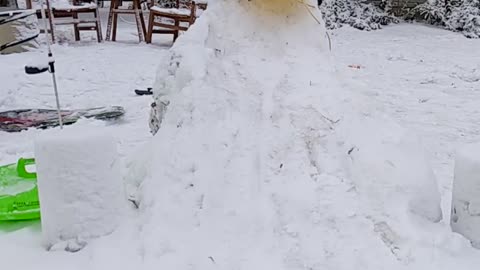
171, 20
202, 4
113, 17
70, 16
48, 15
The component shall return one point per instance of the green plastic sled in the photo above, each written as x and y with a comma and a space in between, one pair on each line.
18, 192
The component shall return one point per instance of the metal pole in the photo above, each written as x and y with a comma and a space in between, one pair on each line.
51, 64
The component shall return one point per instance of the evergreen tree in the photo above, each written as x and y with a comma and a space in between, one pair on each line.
462, 16
356, 13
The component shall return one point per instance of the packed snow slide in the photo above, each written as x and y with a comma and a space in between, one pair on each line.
256, 163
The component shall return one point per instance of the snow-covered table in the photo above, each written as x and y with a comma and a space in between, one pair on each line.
65, 9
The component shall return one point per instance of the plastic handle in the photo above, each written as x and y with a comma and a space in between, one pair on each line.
22, 170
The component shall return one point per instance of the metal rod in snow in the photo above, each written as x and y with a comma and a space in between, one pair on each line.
57, 100
51, 62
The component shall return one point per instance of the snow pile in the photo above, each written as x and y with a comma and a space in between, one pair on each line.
389, 166
466, 194
79, 189
249, 167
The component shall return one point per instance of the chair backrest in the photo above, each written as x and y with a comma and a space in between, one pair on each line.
52, 2
188, 4
184, 3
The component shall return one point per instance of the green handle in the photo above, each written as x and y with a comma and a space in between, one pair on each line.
22, 170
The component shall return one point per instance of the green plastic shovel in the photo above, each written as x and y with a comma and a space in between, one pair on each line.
18, 192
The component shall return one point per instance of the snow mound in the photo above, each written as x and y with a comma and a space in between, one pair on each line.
389, 166
250, 166
466, 189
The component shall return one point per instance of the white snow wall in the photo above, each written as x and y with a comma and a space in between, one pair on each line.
249, 167
79, 189
465, 218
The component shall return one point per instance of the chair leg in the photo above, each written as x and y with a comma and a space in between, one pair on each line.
98, 25
136, 4
142, 20
99, 32
75, 27
151, 19
175, 34
114, 33
110, 20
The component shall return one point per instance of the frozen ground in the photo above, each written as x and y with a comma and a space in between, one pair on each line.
425, 78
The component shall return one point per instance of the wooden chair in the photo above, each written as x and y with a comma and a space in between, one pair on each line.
171, 20
48, 15
113, 16
70, 16
202, 4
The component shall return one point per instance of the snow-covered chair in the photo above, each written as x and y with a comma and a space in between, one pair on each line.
202, 4
136, 10
171, 20
69, 14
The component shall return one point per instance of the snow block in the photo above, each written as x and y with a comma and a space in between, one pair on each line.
465, 217
390, 168
79, 189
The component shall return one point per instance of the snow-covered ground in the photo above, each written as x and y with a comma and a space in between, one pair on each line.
424, 78
427, 79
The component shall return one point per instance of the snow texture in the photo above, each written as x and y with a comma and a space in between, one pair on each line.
466, 189
389, 165
79, 189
